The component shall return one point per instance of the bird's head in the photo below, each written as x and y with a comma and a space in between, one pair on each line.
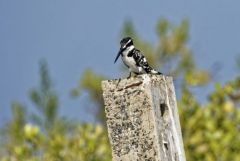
125, 43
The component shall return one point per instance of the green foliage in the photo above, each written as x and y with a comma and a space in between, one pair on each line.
50, 137
13, 132
91, 83
211, 131
45, 99
84, 142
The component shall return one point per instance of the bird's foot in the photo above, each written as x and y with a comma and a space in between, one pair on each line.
119, 80
129, 75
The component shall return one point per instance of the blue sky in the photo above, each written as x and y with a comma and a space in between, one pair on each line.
74, 35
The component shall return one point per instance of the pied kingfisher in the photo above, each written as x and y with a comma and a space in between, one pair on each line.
133, 58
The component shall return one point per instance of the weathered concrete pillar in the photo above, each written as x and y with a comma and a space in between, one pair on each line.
142, 119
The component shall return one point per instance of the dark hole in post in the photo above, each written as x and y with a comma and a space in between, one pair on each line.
163, 108
165, 145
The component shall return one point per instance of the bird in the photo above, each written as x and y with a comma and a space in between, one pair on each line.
134, 58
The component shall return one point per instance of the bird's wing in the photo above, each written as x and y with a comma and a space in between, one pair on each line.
141, 61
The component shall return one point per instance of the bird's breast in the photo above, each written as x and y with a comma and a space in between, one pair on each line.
131, 63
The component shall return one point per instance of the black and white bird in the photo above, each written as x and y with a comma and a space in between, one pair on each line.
134, 58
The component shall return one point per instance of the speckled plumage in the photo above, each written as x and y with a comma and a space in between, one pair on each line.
134, 58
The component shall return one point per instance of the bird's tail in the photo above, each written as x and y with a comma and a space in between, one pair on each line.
152, 71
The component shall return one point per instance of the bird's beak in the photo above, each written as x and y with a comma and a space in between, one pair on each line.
119, 53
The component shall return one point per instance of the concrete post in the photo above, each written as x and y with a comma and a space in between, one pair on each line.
142, 119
